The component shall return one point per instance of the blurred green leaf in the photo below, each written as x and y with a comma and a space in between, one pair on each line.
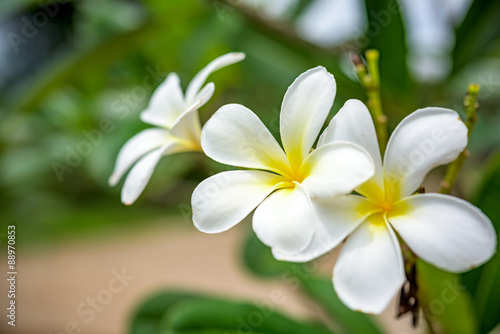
179, 312
386, 33
73, 66
148, 317
321, 290
478, 30
484, 282
445, 300
8, 7
259, 259
70, 66
218, 316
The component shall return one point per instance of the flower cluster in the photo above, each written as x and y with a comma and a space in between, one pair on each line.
303, 197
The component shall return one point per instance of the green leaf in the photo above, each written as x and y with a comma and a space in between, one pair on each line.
445, 300
187, 313
386, 33
487, 297
321, 290
219, 316
259, 259
148, 317
484, 282
478, 31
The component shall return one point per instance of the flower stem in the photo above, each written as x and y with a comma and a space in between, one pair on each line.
471, 106
408, 299
370, 80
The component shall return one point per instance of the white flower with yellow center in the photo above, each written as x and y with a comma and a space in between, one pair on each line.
178, 127
443, 230
285, 180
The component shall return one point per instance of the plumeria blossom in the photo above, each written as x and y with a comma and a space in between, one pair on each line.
282, 182
443, 230
178, 128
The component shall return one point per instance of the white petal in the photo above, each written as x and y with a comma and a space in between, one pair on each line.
337, 218
187, 126
166, 104
423, 140
136, 147
235, 136
305, 107
223, 200
446, 231
354, 124
205, 94
139, 175
369, 270
285, 220
335, 169
200, 78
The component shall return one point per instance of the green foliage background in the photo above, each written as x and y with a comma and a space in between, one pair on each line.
114, 46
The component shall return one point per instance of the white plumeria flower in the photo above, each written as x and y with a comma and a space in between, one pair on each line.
178, 127
286, 180
443, 230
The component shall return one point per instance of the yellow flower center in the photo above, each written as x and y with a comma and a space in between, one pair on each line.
382, 202
291, 172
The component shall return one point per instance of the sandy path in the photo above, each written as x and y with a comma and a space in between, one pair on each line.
53, 283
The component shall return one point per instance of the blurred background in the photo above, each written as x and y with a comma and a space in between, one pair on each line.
74, 76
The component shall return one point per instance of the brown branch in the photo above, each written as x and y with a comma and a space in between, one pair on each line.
283, 31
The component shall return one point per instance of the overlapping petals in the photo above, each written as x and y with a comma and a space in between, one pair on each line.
225, 199
166, 104
448, 232
304, 110
353, 123
369, 270
141, 172
179, 129
134, 149
194, 89
332, 169
285, 219
335, 221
